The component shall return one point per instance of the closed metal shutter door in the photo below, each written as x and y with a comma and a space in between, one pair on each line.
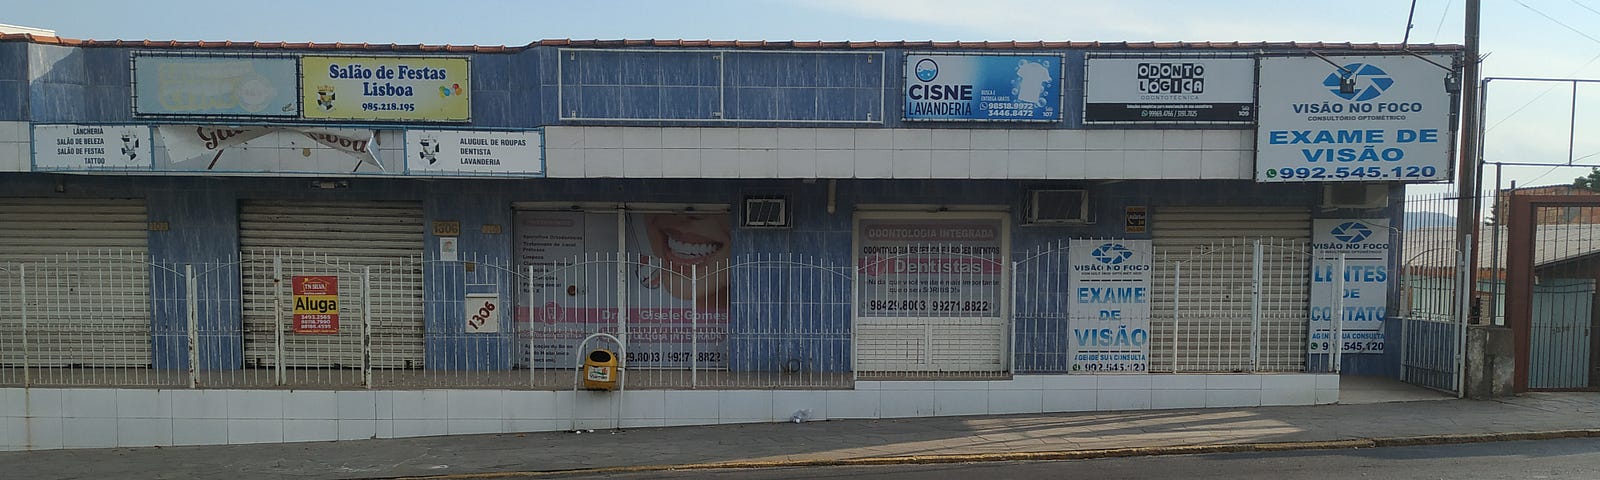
88, 281
926, 329
887, 346
334, 239
1216, 248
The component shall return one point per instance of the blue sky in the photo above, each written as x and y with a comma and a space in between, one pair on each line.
1529, 121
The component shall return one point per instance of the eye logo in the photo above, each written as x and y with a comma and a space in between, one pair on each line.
1111, 254
927, 70
1351, 232
1371, 81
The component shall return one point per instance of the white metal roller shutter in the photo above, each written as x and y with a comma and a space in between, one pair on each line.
1215, 245
334, 238
928, 343
88, 279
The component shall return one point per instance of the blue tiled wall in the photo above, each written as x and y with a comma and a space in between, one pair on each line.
13, 81
541, 85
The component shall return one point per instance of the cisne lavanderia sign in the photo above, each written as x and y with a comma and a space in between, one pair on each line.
1012, 88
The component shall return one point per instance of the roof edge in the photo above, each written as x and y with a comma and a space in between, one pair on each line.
724, 44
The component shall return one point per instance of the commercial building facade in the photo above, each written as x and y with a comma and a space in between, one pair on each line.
1040, 227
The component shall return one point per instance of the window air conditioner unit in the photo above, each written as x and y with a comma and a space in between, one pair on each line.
1355, 195
1058, 206
766, 212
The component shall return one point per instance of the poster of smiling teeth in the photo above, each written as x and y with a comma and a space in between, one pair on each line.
1362, 305
672, 274
1109, 310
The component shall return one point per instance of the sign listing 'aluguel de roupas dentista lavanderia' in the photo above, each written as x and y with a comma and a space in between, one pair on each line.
474, 152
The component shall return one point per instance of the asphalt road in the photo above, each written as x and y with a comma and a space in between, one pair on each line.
1542, 459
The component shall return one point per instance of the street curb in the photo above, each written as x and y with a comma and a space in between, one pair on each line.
1374, 442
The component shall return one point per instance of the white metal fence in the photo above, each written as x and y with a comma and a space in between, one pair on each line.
753, 321
83, 318
1239, 305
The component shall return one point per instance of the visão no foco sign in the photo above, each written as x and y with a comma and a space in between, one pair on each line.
1354, 118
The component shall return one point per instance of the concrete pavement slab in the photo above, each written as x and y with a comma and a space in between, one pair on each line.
925, 439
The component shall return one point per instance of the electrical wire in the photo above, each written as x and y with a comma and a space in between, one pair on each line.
1539, 96
1442, 18
1585, 7
1557, 22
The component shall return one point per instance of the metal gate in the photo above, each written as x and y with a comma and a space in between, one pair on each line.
1432, 335
1552, 266
910, 322
84, 318
280, 240
1236, 305
477, 337
638, 299
752, 321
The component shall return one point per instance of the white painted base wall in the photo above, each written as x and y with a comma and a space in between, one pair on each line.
53, 418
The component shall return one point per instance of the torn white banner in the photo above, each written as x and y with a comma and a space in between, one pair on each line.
269, 149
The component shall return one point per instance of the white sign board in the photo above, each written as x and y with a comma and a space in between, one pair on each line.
1361, 118
929, 268
1362, 305
1110, 305
91, 147
1168, 89
483, 313
448, 249
270, 149
458, 152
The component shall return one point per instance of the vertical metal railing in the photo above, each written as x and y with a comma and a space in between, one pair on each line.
1236, 305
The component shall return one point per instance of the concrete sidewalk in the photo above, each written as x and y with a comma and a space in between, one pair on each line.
1074, 435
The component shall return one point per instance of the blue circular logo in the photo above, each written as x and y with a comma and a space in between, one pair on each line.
1371, 81
1111, 254
927, 70
1351, 232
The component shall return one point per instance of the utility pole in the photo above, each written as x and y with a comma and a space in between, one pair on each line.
1469, 166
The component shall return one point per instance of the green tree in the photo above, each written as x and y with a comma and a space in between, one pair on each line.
1589, 182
